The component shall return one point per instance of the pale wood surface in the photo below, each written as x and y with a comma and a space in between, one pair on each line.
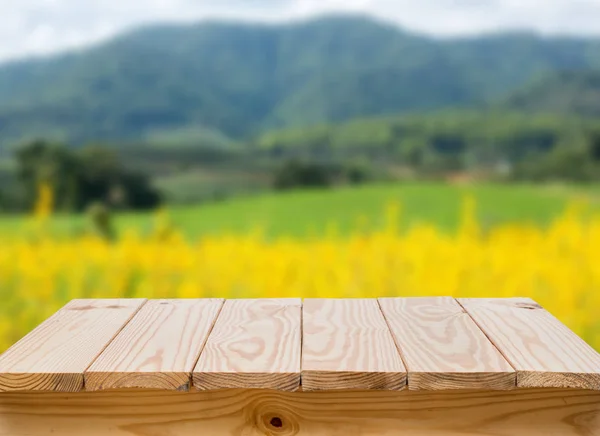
442, 347
257, 412
254, 344
544, 351
347, 345
325, 344
54, 356
158, 349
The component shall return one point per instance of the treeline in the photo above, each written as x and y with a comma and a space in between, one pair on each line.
508, 145
486, 145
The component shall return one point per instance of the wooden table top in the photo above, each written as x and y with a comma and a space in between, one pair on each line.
292, 344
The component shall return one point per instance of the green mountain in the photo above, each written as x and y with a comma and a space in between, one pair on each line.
238, 80
569, 92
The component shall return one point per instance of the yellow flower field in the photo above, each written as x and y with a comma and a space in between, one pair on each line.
558, 266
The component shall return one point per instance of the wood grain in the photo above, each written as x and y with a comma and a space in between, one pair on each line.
443, 348
235, 412
544, 351
158, 349
54, 356
254, 344
347, 345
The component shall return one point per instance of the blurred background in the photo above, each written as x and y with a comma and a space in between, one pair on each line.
299, 148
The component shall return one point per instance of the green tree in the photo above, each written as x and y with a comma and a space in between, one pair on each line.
80, 178
42, 162
295, 173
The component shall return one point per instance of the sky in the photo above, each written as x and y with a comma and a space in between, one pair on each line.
39, 27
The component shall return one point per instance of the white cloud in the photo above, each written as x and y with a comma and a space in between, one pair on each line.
43, 26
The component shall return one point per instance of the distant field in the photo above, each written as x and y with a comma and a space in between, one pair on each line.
310, 213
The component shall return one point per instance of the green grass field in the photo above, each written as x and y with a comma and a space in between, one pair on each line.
304, 213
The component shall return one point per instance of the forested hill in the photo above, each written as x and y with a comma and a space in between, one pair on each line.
568, 92
237, 80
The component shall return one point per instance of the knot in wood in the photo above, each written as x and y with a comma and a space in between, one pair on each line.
274, 417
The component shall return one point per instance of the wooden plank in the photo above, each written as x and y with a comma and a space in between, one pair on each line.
347, 345
443, 348
158, 349
544, 351
54, 356
528, 412
255, 344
